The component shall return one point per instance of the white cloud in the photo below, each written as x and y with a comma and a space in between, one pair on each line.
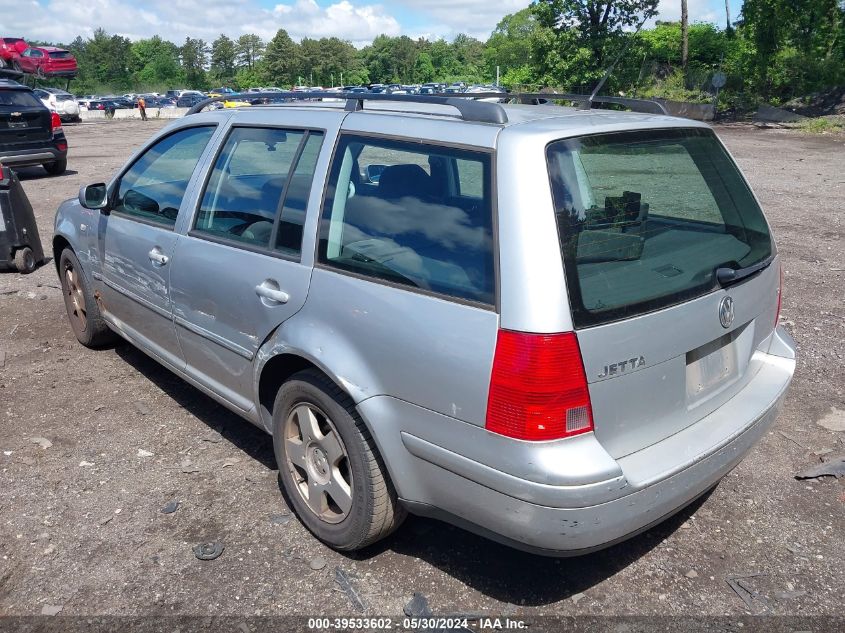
447, 18
55, 20
354, 20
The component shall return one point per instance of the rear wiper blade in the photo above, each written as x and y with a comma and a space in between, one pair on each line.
729, 276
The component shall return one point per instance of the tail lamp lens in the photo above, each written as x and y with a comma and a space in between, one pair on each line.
538, 388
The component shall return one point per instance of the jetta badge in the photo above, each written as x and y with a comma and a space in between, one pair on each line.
726, 311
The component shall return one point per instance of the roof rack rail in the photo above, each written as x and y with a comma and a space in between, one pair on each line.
470, 110
649, 106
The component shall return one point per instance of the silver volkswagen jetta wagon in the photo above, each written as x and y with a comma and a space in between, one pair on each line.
552, 326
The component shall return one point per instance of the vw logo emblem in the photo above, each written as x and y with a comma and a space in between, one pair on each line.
726, 311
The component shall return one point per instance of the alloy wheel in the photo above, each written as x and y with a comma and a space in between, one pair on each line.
318, 462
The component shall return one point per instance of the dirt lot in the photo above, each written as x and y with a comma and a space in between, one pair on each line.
81, 526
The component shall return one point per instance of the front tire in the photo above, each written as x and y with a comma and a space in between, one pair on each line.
329, 465
82, 309
56, 168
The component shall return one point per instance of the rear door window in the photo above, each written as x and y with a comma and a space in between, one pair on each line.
397, 211
646, 218
260, 174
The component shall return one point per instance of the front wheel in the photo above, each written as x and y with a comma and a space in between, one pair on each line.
329, 465
82, 309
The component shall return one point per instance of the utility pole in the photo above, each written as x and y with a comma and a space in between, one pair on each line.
684, 35
497, 75
727, 15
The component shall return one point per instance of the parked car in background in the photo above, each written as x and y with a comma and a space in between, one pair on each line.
60, 101
47, 61
120, 103
190, 99
30, 134
151, 101
10, 50
556, 327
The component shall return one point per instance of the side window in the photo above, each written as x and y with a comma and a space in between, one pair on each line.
395, 211
289, 238
250, 180
153, 188
470, 178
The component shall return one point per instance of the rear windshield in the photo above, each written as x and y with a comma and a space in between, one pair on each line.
645, 218
60, 54
18, 98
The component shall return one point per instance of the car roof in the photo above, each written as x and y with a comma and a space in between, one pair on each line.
13, 85
565, 121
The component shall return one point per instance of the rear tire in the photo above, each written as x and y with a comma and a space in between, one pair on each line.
329, 465
25, 260
56, 168
82, 309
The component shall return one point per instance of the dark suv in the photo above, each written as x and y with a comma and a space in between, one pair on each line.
29, 133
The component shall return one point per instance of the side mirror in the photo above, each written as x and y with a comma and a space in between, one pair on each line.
94, 196
374, 173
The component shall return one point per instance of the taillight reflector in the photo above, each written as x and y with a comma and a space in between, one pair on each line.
780, 297
538, 388
55, 121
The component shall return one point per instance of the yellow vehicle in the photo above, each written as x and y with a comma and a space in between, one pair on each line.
234, 103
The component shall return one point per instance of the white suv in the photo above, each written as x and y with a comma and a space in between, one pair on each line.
62, 103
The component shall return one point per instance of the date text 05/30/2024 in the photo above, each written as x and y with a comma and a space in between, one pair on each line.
413, 624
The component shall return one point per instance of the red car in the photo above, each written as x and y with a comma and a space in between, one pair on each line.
46, 61
11, 49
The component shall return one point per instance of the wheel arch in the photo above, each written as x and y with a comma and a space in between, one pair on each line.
60, 243
276, 370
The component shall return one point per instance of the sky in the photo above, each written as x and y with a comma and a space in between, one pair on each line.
358, 21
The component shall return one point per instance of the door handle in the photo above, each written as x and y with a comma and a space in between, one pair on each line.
157, 257
269, 289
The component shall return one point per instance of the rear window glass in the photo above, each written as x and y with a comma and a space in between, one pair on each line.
60, 54
645, 219
18, 98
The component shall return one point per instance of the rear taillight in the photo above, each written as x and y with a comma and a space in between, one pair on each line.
55, 122
780, 297
538, 388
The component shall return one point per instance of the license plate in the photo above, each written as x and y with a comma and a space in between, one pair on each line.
710, 367
18, 124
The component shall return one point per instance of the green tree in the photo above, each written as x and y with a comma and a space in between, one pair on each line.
281, 59
424, 70
107, 60
511, 47
194, 53
248, 50
154, 64
590, 32
223, 55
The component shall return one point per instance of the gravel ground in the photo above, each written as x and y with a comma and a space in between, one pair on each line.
94, 444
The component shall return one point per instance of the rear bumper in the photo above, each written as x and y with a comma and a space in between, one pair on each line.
49, 72
569, 497
32, 156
